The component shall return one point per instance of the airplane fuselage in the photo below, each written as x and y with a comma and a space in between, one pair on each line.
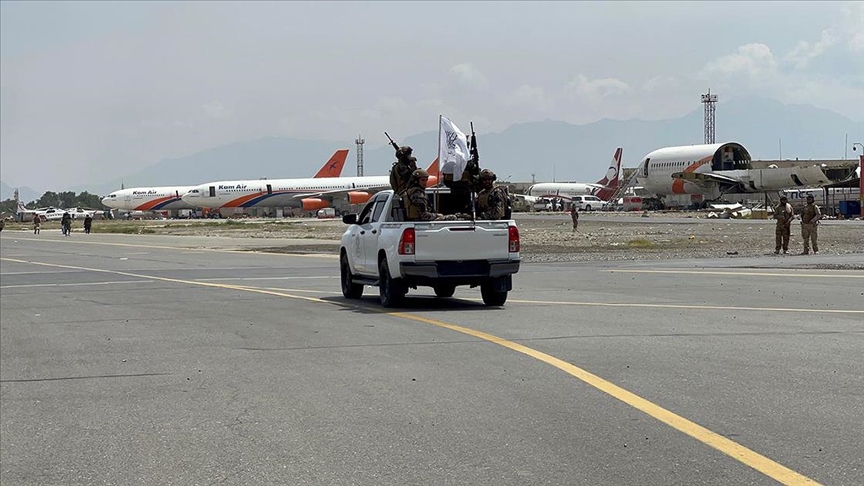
148, 198
562, 189
715, 169
279, 193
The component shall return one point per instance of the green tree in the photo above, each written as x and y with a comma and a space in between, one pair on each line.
48, 199
8, 206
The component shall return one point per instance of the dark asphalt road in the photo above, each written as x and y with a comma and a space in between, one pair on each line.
122, 363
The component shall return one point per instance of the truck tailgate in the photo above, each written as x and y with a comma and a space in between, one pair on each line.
462, 240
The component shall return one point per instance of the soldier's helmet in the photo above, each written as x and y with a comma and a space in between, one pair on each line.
487, 175
419, 174
405, 151
810, 197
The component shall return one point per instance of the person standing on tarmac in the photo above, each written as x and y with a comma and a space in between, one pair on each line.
574, 215
784, 215
66, 224
403, 168
417, 203
88, 224
810, 217
492, 200
37, 224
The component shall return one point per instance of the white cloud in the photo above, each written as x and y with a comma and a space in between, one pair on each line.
753, 61
216, 110
804, 52
468, 75
594, 89
852, 25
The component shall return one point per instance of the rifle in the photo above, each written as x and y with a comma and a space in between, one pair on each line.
392, 142
474, 163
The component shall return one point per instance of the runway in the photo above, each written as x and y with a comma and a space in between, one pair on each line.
135, 359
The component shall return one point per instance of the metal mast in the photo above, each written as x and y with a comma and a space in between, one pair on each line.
709, 100
359, 141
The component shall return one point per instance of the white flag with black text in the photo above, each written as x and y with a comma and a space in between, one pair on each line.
452, 148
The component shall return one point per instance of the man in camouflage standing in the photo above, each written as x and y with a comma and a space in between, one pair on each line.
402, 169
784, 215
492, 200
574, 215
810, 217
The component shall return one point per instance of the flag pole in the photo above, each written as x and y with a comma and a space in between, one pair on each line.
437, 199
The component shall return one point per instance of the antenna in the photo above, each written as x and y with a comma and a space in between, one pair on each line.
359, 141
709, 100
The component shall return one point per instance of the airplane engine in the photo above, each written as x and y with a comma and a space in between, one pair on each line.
313, 203
358, 197
433, 181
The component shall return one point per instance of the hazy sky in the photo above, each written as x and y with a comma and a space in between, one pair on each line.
92, 91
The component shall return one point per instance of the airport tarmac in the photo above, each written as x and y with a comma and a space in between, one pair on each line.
148, 359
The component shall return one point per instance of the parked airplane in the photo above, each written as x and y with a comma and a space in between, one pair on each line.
604, 188
715, 169
307, 194
170, 197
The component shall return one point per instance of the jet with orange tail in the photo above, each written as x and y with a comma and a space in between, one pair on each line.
307, 194
170, 197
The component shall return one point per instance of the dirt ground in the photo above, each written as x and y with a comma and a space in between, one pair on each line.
549, 237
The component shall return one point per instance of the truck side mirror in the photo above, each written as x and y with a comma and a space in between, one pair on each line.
349, 219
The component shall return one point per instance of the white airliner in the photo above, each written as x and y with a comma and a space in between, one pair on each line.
307, 194
715, 169
604, 188
170, 197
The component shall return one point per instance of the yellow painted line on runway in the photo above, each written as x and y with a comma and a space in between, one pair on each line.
181, 248
746, 456
731, 448
753, 274
685, 306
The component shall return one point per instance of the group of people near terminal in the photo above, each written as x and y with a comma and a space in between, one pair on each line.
492, 201
810, 216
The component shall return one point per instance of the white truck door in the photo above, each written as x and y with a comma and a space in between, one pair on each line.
371, 231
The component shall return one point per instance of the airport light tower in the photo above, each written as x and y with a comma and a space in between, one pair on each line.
359, 141
709, 100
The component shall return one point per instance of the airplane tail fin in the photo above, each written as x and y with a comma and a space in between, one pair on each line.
610, 180
333, 167
433, 168
19, 204
433, 171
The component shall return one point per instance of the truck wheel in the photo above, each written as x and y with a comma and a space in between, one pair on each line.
391, 291
444, 290
491, 296
588, 207
350, 289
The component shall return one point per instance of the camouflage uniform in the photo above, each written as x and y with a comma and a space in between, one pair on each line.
400, 173
574, 215
783, 214
492, 203
809, 217
415, 201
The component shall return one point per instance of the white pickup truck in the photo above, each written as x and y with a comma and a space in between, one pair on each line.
380, 248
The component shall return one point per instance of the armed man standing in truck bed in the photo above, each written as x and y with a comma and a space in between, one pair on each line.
492, 201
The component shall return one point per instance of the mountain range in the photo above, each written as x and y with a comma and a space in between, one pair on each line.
541, 150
